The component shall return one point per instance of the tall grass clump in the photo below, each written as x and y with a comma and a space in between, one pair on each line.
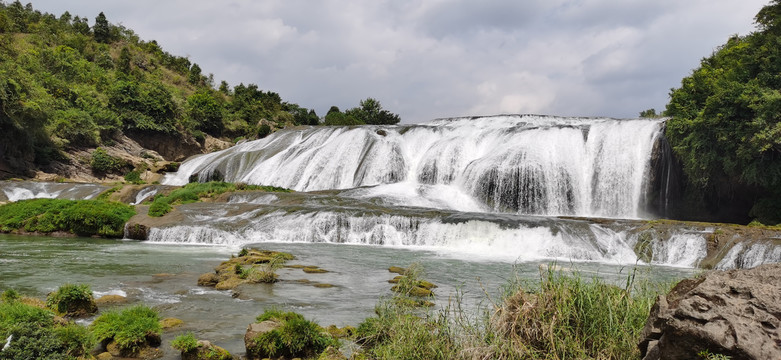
264, 272
403, 330
80, 217
294, 337
194, 192
132, 328
566, 317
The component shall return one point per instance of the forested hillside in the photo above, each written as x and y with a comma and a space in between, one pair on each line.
67, 85
725, 124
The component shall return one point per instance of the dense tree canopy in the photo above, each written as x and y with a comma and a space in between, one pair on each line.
725, 120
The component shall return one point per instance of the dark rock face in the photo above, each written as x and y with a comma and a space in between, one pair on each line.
735, 313
136, 231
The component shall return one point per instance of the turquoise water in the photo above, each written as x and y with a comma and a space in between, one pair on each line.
164, 276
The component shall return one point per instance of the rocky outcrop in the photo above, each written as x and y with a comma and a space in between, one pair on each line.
736, 313
251, 336
206, 351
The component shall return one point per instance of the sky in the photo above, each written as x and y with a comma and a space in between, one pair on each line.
441, 58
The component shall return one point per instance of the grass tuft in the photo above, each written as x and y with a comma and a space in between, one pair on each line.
194, 192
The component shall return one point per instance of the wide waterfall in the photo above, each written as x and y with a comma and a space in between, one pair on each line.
523, 164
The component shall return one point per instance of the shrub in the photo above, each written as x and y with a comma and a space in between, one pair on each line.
134, 177
35, 335
295, 337
72, 300
185, 342
129, 328
81, 217
10, 296
103, 163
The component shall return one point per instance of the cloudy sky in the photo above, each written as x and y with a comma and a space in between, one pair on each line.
441, 58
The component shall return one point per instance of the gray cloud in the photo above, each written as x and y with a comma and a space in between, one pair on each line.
441, 58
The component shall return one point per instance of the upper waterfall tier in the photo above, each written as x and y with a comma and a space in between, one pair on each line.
523, 164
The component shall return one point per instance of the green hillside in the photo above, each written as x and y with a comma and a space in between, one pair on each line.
67, 85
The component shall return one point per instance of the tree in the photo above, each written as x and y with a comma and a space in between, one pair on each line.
650, 113
101, 29
206, 112
371, 112
725, 124
194, 77
123, 64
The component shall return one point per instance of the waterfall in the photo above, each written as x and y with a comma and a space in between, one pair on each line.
523, 164
23, 190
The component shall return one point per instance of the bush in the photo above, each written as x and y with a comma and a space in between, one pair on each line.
35, 335
80, 217
134, 177
129, 328
10, 296
185, 342
72, 300
295, 337
103, 163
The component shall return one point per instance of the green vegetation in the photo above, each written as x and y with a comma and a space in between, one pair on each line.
194, 192
725, 125
295, 337
129, 328
80, 217
369, 112
72, 300
35, 334
565, 317
185, 343
103, 163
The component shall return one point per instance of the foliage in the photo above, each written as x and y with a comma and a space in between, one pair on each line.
81, 217
725, 125
129, 327
35, 335
185, 342
64, 85
564, 317
72, 299
9, 296
371, 112
134, 177
104, 163
295, 337
194, 192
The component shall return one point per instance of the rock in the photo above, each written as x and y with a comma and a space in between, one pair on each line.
331, 353
397, 270
136, 231
113, 349
110, 300
169, 323
208, 279
736, 313
314, 270
414, 291
207, 351
104, 356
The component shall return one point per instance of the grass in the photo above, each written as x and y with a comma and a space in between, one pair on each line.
563, 317
129, 327
194, 192
295, 337
72, 300
35, 335
185, 343
80, 217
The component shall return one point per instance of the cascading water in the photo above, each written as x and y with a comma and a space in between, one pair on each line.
518, 164
23, 190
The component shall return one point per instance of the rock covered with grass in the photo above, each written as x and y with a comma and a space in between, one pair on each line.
410, 287
250, 266
735, 314
72, 300
194, 349
278, 334
131, 332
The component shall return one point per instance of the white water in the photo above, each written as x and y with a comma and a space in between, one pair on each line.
15, 191
517, 164
685, 250
749, 256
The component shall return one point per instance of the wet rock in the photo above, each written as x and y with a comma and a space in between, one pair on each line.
110, 300
736, 313
208, 279
314, 270
397, 270
207, 351
169, 323
104, 356
413, 291
136, 231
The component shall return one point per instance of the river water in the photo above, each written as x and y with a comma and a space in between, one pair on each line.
164, 276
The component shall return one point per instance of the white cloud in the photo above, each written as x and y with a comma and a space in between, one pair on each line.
441, 58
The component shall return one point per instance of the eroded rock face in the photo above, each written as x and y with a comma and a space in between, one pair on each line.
735, 313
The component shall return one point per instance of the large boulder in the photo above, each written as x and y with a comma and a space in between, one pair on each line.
736, 313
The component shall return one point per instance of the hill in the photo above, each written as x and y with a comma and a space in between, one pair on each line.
68, 88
